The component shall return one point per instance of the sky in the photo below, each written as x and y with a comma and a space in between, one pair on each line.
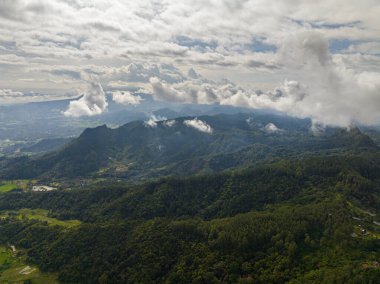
317, 59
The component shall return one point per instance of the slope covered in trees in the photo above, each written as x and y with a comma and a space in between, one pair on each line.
291, 221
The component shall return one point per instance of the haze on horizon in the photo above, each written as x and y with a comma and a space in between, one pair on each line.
316, 59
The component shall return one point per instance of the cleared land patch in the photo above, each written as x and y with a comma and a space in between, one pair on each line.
40, 215
13, 269
6, 186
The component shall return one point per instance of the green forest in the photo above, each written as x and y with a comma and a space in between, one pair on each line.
311, 220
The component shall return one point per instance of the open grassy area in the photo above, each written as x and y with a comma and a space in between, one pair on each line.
10, 185
7, 187
42, 215
13, 269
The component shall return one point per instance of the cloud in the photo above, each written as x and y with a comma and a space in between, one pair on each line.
8, 96
330, 93
75, 75
272, 128
334, 94
126, 98
162, 92
191, 73
307, 47
365, 48
193, 91
6, 93
198, 125
93, 102
54, 45
228, 93
141, 73
169, 123
206, 33
317, 128
152, 121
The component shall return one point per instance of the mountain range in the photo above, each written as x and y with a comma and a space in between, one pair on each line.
184, 146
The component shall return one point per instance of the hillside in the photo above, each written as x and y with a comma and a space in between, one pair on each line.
288, 222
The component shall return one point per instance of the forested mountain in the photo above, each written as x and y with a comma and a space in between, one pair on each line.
313, 220
237, 198
183, 146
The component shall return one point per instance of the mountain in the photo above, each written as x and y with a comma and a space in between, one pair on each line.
183, 146
25, 124
373, 132
46, 145
33, 148
167, 113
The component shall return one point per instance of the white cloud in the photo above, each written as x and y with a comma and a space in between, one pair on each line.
272, 128
203, 32
55, 45
152, 121
16, 97
193, 91
169, 123
199, 125
126, 98
330, 93
365, 48
317, 128
93, 102
335, 94
9, 94
141, 73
